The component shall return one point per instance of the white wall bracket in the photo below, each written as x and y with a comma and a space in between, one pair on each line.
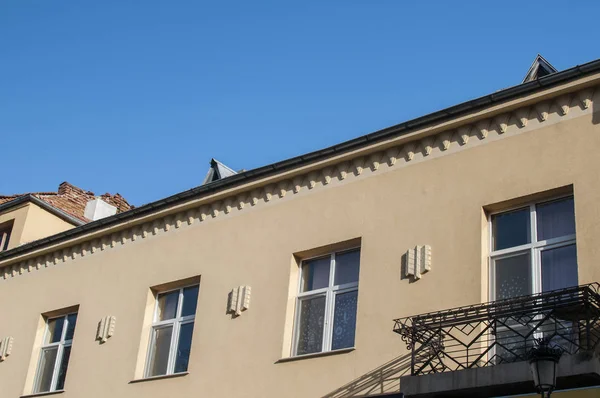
239, 300
418, 261
5, 348
106, 328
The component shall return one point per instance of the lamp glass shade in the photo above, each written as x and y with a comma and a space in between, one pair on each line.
544, 374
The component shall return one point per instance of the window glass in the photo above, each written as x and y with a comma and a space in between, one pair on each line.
347, 267
46, 369
62, 371
54, 330
167, 305
161, 344
71, 321
55, 354
513, 276
171, 338
310, 328
344, 320
559, 268
190, 300
511, 229
5, 236
184, 347
555, 219
315, 274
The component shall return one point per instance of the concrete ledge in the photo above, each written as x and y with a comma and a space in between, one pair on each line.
513, 378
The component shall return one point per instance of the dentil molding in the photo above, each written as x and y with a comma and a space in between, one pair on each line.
502, 125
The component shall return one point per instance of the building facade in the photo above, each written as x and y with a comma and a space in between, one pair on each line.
284, 281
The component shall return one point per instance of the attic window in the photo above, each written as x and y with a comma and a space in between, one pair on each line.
217, 171
5, 230
542, 72
539, 68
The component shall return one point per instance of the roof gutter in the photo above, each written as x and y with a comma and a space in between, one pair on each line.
266, 171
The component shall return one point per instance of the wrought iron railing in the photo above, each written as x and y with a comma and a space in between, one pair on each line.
502, 331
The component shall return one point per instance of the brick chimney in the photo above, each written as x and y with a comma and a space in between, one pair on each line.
71, 190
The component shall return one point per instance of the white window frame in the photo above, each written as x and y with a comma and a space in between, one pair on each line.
62, 344
534, 248
330, 292
176, 324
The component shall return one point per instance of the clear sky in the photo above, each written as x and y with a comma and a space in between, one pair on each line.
135, 97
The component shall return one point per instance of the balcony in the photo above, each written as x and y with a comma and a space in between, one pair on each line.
469, 341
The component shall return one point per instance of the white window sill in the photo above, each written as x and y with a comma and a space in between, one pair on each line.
171, 376
42, 394
316, 355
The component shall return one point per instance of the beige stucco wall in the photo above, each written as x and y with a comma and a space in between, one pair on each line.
41, 223
437, 201
17, 216
31, 222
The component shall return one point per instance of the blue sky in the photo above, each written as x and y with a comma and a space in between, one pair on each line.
136, 97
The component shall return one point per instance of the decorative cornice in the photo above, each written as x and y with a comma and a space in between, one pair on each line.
460, 138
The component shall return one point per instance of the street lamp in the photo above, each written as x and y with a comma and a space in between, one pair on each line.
543, 360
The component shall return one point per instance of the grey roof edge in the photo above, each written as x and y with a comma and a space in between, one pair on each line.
44, 205
284, 165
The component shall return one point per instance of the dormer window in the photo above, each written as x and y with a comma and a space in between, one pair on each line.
5, 230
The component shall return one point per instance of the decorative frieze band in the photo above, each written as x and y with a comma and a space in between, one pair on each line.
443, 142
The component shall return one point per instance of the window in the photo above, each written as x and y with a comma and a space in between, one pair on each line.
5, 230
56, 350
172, 328
327, 299
533, 249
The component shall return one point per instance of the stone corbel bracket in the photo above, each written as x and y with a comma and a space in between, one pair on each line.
418, 262
106, 328
5, 348
238, 300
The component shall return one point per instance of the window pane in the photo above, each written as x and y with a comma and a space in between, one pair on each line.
160, 346
4, 238
62, 370
346, 267
310, 325
344, 320
190, 300
559, 268
71, 321
555, 219
513, 276
511, 229
167, 305
315, 274
184, 347
47, 361
54, 332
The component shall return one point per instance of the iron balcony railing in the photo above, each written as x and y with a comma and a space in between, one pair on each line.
502, 331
